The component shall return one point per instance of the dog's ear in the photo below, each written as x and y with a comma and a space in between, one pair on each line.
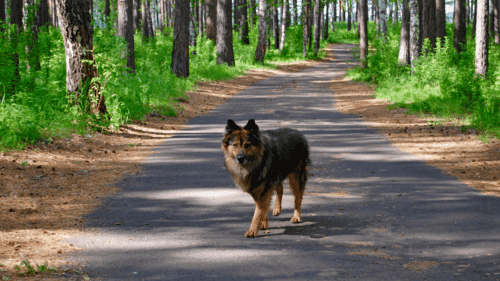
231, 127
252, 127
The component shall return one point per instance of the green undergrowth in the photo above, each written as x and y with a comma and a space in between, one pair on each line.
35, 106
442, 84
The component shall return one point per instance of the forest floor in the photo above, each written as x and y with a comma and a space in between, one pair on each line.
48, 188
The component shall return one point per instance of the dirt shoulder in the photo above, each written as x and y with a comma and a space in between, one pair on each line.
46, 190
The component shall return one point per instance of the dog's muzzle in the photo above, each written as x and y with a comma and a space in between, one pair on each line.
241, 159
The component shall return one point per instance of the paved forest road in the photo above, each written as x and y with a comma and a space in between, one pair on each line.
183, 219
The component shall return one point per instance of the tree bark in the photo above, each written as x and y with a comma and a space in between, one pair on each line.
334, 16
276, 27
284, 16
429, 22
441, 19
496, 21
310, 17
481, 60
2, 12
460, 26
225, 53
180, 52
42, 14
325, 26
376, 8
244, 22
474, 20
295, 13
317, 28
126, 29
404, 47
414, 46
260, 52
76, 28
211, 19
383, 19
363, 31
349, 12
305, 27
396, 13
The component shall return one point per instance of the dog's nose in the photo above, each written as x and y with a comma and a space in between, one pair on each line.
241, 158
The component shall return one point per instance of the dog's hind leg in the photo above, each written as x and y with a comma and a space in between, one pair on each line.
279, 197
297, 185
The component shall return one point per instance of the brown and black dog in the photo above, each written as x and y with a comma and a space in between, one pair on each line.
259, 162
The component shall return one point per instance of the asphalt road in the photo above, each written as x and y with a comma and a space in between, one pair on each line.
182, 218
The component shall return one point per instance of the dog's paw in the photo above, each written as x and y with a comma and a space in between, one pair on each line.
251, 233
264, 224
276, 211
295, 219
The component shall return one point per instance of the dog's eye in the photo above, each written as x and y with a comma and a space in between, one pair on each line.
235, 144
247, 145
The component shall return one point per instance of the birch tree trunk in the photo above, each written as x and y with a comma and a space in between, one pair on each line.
283, 25
481, 60
260, 52
414, 46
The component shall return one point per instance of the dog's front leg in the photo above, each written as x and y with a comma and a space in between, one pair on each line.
260, 219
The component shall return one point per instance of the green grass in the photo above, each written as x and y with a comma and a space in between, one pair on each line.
442, 83
37, 107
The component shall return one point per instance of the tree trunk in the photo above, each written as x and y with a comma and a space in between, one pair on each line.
429, 22
145, 21
284, 16
107, 10
251, 13
441, 19
310, 17
126, 29
404, 47
305, 27
2, 12
200, 14
481, 61
460, 26
334, 16
325, 26
383, 19
211, 19
244, 22
467, 12
42, 14
276, 27
137, 13
474, 20
225, 52
396, 13
260, 52
236, 17
491, 24
76, 28
496, 22
295, 13
363, 31
376, 8
317, 28
180, 52
414, 46
349, 12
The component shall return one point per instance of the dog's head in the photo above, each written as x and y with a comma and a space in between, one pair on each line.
244, 145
